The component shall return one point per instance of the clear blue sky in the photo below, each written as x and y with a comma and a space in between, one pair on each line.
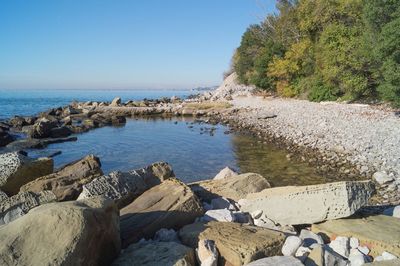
121, 44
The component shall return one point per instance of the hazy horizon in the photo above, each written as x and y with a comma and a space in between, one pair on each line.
128, 45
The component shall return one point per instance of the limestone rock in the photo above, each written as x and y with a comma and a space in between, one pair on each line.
292, 243
68, 181
237, 244
276, 260
316, 257
125, 187
66, 233
222, 215
169, 205
21, 203
309, 204
235, 187
323, 255
380, 233
382, 178
116, 101
156, 253
341, 245
309, 238
225, 173
16, 169
207, 253
42, 128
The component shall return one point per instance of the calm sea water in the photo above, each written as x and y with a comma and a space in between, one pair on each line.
194, 153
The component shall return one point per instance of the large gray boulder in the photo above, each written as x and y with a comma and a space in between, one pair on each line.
67, 182
123, 188
42, 128
66, 233
21, 203
233, 187
16, 170
169, 205
156, 253
309, 204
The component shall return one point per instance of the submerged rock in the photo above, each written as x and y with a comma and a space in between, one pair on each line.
235, 187
67, 233
156, 253
68, 181
169, 205
125, 187
310, 204
16, 169
237, 244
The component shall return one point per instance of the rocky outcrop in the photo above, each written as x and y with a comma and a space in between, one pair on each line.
42, 128
309, 204
67, 233
238, 244
169, 205
16, 169
20, 204
234, 187
380, 233
156, 253
123, 188
67, 183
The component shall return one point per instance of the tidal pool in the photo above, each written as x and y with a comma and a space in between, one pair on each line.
196, 151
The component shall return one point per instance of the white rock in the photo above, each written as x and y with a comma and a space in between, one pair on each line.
256, 214
393, 211
222, 203
333, 258
364, 250
341, 246
222, 215
166, 235
382, 177
276, 260
207, 253
354, 243
388, 256
302, 253
292, 243
225, 173
357, 259
310, 238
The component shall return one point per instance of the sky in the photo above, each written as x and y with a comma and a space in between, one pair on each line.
120, 44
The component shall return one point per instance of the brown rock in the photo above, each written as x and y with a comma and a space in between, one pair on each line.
169, 205
68, 181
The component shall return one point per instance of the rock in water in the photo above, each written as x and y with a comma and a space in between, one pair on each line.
237, 244
68, 233
169, 205
42, 129
5, 138
225, 173
156, 253
235, 187
125, 187
20, 204
276, 260
17, 169
380, 233
310, 204
68, 181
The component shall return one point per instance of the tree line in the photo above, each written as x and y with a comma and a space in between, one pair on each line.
325, 50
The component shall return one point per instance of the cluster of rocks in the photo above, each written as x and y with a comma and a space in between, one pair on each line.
149, 217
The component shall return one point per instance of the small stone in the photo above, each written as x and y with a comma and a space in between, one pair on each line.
382, 177
388, 256
341, 246
292, 243
276, 260
356, 258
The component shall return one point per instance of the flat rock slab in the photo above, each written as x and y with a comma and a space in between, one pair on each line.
233, 187
63, 233
169, 205
17, 169
309, 204
276, 260
379, 233
238, 244
124, 187
20, 204
384, 263
67, 183
155, 254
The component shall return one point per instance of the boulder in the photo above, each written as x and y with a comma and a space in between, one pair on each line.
235, 187
42, 128
277, 260
310, 204
207, 253
382, 178
123, 188
67, 182
67, 233
225, 173
309, 238
323, 255
169, 205
341, 245
237, 244
222, 215
292, 243
60, 132
118, 119
5, 138
380, 233
116, 101
18, 122
16, 170
21, 203
156, 253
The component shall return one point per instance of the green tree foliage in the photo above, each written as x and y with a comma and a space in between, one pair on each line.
325, 49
